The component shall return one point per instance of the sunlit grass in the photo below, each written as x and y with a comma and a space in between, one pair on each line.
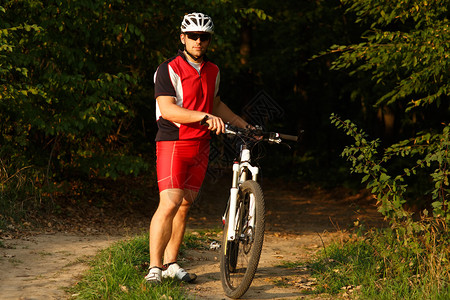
383, 266
118, 272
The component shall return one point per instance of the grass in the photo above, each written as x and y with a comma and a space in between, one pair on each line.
200, 239
385, 265
18, 195
118, 272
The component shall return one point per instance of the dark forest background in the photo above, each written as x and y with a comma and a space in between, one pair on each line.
77, 105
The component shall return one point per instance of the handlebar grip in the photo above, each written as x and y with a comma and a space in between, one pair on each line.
288, 137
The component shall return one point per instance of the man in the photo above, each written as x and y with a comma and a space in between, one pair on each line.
188, 108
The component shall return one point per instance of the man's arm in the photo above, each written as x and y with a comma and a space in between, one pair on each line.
221, 110
174, 113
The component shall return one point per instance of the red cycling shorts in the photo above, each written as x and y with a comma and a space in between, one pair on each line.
181, 164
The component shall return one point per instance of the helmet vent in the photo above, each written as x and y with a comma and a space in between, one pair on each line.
197, 22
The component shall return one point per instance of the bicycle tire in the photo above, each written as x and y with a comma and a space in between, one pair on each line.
239, 259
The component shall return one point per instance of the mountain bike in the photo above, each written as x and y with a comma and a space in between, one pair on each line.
244, 217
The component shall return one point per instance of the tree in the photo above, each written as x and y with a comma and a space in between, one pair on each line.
65, 87
76, 77
406, 52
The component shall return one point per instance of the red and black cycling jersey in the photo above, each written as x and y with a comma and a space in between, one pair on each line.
192, 89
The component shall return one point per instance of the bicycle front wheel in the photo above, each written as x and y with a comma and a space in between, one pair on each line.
239, 258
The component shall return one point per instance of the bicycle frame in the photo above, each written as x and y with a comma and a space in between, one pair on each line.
244, 219
240, 174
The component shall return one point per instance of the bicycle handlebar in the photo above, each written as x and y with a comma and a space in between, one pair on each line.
288, 137
271, 137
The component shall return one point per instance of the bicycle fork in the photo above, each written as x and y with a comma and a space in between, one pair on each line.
238, 178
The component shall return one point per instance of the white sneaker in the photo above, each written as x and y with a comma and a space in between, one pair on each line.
173, 270
154, 275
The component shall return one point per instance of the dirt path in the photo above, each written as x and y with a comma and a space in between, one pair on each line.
299, 222
272, 280
41, 266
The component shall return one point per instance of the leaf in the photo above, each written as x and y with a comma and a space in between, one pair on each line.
365, 178
384, 177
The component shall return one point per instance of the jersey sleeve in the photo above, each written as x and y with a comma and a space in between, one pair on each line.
216, 92
163, 83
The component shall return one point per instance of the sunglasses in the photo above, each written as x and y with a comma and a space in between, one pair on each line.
194, 36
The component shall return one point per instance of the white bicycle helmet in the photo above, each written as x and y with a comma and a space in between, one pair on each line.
197, 22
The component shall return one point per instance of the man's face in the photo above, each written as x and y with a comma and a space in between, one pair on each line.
196, 42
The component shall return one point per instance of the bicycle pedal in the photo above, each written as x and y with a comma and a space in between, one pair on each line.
214, 246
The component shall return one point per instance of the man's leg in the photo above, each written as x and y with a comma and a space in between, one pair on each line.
162, 224
178, 227
171, 268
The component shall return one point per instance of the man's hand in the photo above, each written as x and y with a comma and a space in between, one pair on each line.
255, 128
215, 124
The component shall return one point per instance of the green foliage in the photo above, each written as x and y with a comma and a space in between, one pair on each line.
76, 81
76, 77
65, 89
430, 151
406, 50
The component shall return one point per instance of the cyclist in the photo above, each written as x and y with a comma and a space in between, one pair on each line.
186, 92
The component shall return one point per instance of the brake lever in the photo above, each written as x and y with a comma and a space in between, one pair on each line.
274, 138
